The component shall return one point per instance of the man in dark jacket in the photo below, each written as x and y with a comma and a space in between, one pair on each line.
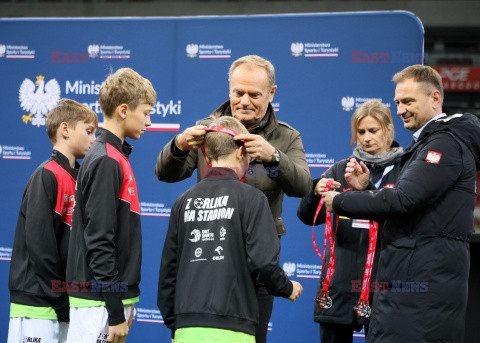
279, 165
425, 255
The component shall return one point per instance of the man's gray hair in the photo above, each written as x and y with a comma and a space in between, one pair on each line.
258, 61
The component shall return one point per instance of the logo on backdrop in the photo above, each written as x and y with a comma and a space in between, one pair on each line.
316, 160
276, 106
314, 49
38, 98
192, 50
297, 48
148, 315
169, 110
14, 152
347, 103
307, 271
93, 50
207, 51
352, 102
5, 254
154, 209
289, 268
16, 51
108, 51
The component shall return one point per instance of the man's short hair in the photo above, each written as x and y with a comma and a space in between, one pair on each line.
71, 112
427, 76
125, 86
219, 144
380, 112
257, 61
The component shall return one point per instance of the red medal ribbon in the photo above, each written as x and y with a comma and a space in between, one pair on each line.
362, 309
228, 131
324, 300
319, 207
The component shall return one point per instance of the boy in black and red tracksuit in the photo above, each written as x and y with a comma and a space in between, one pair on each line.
38, 302
106, 244
221, 237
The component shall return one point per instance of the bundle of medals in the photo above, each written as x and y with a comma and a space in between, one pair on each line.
362, 309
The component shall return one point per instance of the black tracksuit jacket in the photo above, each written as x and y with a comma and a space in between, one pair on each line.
221, 236
106, 241
429, 218
40, 246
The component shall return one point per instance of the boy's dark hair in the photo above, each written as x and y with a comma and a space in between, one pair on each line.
219, 144
71, 112
125, 86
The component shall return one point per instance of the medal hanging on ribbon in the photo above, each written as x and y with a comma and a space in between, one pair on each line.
324, 300
362, 309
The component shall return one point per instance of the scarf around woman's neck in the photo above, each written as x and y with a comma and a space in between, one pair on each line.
379, 161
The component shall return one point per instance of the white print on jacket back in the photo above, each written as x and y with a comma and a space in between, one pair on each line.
208, 209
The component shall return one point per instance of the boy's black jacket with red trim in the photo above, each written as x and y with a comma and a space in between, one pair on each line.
221, 237
40, 246
106, 242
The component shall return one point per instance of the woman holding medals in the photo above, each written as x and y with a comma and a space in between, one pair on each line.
344, 293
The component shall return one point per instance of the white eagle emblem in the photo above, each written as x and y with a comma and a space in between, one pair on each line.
347, 103
93, 50
192, 50
289, 268
297, 49
3, 48
38, 102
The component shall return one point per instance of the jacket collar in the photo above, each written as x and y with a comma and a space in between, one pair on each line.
264, 128
105, 136
418, 133
221, 172
63, 161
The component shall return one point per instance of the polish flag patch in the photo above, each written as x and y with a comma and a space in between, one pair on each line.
433, 157
390, 185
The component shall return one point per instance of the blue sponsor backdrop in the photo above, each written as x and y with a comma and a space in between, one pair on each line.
327, 65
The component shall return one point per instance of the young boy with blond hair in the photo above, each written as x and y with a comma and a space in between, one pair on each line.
220, 240
38, 310
105, 250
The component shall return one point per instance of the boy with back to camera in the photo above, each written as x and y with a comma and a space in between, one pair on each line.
39, 310
106, 244
221, 236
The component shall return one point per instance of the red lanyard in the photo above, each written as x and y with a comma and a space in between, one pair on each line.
362, 309
242, 179
230, 132
324, 300
319, 207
